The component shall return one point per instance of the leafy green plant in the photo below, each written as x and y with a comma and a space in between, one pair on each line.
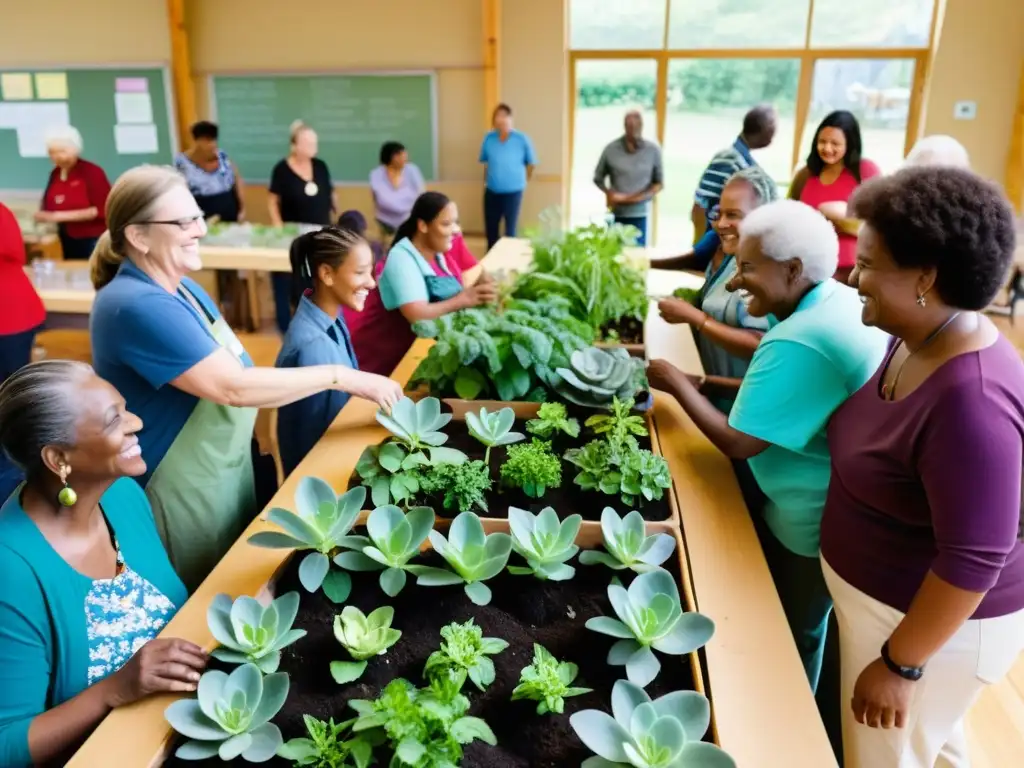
464, 652
325, 746
547, 681
650, 616
690, 295
393, 540
595, 376
250, 632
641, 474
619, 426
230, 715
594, 462
425, 727
493, 429
363, 637
663, 733
545, 542
500, 353
462, 487
532, 467
319, 525
551, 419
627, 545
473, 556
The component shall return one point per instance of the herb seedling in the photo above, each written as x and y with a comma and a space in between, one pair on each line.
393, 540
461, 486
492, 429
363, 637
319, 525
230, 716
551, 419
618, 427
325, 746
641, 475
547, 681
663, 733
532, 467
627, 545
545, 542
650, 616
473, 556
464, 652
250, 632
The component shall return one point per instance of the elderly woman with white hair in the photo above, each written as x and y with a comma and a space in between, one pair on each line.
938, 150
76, 195
805, 367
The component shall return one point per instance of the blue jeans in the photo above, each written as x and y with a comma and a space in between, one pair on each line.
640, 222
281, 282
498, 206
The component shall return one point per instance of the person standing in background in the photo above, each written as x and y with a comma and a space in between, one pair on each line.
833, 172
395, 185
509, 159
301, 192
629, 173
76, 195
212, 178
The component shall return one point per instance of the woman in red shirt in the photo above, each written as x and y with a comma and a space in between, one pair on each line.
76, 195
23, 311
834, 170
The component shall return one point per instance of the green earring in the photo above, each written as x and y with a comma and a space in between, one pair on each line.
67, 496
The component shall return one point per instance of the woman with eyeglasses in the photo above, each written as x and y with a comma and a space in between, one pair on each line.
159, 339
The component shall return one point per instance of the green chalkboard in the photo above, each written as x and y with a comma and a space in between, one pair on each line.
352, 115
122, 114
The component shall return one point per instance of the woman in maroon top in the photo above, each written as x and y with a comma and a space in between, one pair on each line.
920, 539
76, 195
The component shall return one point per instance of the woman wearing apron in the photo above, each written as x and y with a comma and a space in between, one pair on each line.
415, 283
159, 339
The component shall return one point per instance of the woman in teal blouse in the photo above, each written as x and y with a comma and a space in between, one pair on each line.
87, 585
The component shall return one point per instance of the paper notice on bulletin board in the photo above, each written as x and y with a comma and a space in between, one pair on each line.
133, 108
16, 86
136, 139
52, 85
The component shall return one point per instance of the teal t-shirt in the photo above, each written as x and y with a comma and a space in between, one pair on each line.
804, 368
60, 631
404, 277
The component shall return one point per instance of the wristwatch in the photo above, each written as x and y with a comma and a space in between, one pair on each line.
907, 673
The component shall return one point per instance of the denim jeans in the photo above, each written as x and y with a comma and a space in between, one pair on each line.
640, 222
281, 282
498, 206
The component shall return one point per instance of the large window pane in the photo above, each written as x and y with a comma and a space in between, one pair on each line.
877, 91
737, 23
881, 23
605, 91
616, 25
707, 99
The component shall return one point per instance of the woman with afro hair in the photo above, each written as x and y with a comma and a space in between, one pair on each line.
920, 540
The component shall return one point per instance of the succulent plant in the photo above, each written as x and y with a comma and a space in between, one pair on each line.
363, 637
394, 539
545, 542
547, 681
492, 429
627, 545
464, 652
250, 632
596, 376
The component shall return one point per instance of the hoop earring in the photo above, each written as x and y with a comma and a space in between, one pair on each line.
67, 496
921, 301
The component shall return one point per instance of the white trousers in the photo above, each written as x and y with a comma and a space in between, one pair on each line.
979, 654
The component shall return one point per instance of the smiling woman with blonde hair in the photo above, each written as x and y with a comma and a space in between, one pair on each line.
158, 337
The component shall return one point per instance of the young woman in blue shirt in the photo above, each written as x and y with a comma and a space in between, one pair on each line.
334, 270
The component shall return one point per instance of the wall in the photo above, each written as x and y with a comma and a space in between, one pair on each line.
979, 59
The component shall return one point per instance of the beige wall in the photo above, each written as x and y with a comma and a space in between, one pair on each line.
979, 59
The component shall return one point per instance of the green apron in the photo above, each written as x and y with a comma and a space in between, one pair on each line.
203, 492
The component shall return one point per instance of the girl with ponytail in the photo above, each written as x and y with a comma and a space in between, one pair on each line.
332, 271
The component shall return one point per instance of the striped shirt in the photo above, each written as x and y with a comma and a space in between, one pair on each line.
722, 168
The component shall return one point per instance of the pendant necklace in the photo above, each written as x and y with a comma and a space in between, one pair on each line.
889, 390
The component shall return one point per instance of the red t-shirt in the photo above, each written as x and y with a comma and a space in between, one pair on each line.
85, 187
459, 255
815, 193
22, 308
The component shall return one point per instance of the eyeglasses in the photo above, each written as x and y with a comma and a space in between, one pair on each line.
183, 223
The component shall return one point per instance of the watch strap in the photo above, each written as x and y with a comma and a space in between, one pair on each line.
907, 673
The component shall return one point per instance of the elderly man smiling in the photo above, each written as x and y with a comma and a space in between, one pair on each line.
804, 368
629, 173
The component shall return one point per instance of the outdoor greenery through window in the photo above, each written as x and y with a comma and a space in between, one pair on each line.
721, 57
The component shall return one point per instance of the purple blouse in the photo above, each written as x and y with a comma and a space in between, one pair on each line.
932, 482
393, 204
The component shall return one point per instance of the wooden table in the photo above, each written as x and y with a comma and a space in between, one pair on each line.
764, 712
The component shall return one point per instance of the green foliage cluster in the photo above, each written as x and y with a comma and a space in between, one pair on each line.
689, 295
552, 418
464, 652
532, 467
548, 681
461, 487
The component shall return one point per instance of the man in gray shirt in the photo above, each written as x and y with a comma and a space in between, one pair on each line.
630, 175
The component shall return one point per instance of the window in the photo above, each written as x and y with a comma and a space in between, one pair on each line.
707, 99
872, 23
616, 25
737, 23
606, 89
877, 91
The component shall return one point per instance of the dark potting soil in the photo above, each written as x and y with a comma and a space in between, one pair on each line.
629, 330
566, 500
522, 612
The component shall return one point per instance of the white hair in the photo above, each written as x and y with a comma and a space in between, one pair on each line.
65, 136
787, 229
938, 150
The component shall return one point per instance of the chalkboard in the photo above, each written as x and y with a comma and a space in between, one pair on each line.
352, 115
123, 115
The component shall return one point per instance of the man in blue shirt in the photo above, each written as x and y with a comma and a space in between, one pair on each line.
510, 160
